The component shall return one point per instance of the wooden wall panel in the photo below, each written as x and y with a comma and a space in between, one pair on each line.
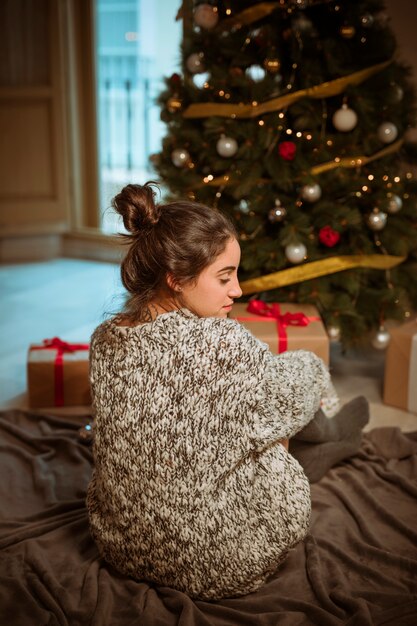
26, 158
24, 37
34, 174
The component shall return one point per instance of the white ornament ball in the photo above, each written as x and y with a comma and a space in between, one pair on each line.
180, 157
395, 203
195, 63
333, 332
206, 16
377, 220
296, 252
244, 206
311, 192
201, 79
345, 119
256, 72
381, 339
226, 146
387, 132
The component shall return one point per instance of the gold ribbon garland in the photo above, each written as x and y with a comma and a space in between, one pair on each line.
314, 269
250, 15
257, 12
357, 161
325, 90
224, 181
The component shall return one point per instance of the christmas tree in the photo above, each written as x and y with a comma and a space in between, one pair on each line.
292, 117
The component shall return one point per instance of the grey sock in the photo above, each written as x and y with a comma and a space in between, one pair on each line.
350, 420
324, 442
317, 459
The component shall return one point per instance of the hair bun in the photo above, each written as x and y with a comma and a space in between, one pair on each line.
136, 205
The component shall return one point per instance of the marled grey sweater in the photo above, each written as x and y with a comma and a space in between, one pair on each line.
191, 488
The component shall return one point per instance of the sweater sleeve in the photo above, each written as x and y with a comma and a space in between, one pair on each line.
278, 394
292, 386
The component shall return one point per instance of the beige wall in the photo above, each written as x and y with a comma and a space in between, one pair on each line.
403, 21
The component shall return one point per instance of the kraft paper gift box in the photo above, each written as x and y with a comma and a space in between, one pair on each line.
58, 374
284, 326
400, 379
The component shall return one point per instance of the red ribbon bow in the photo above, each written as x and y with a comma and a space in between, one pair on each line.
272, 312
61, 348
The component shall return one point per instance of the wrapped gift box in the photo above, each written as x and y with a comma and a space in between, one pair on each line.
285, 326
400, 380
57, 374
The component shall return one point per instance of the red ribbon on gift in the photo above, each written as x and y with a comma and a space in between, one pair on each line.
272, 313
61, 348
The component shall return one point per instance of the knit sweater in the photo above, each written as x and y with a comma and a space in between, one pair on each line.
191, 487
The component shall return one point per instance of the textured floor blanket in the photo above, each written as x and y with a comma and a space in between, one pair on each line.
358, 565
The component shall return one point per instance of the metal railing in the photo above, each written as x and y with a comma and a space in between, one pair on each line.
129, 126
126, 95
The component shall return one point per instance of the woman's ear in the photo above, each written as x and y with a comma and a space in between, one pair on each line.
173, 283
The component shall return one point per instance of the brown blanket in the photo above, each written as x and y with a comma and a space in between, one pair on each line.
358, 565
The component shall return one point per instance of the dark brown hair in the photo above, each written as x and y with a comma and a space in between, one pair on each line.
178, 238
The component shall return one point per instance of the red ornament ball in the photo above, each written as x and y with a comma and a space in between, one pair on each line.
175, 79
287, 150
328, 237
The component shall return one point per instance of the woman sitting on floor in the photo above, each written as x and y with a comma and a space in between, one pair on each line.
193, 485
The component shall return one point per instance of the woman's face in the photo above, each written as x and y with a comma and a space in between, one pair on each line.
217, 286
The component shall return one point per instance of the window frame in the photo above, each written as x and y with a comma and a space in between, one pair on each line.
79, 59
85, 238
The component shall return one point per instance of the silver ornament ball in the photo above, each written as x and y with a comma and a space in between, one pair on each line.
206, 16
387, 132
256, 72
201, 79
381, 339
345, 119
296, 252
195, 63
311, 192
394, 204
244, 206
278, 213
377, 220
180, 157
226, 146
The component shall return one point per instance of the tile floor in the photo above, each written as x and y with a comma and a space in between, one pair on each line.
69, 298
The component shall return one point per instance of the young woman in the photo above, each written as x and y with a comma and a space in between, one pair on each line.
193, 486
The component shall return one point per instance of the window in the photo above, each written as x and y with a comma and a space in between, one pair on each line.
138, 43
